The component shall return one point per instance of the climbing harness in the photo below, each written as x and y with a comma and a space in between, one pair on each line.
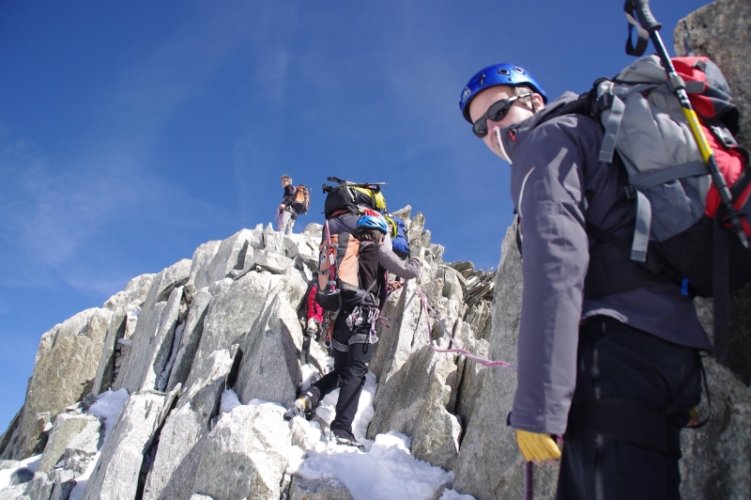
373, 315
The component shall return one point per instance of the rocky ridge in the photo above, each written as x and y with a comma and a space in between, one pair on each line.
172, 344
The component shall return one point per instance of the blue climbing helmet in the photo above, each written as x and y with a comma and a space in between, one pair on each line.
497, 74
373, 222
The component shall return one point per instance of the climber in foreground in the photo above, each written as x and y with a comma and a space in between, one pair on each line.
608, 363
354, 334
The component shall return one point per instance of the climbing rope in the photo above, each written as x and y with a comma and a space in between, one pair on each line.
457, 350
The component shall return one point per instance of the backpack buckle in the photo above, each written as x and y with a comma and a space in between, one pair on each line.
724, 136
604, 95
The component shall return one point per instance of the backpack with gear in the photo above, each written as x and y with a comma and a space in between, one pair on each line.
341, 260
301, 201
670, 123
350, 197
679, 210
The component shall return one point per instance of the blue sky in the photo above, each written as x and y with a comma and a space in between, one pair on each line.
132, 132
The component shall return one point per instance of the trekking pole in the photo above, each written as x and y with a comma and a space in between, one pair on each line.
647, 22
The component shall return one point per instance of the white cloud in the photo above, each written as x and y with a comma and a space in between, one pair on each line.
55, 218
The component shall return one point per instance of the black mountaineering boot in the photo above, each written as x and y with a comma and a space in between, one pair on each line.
345, 437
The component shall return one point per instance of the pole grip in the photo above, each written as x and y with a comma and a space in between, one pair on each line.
643, 14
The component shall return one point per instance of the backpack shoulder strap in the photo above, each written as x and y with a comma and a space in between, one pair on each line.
580, 105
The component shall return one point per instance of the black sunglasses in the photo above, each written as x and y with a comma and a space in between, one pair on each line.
495, 112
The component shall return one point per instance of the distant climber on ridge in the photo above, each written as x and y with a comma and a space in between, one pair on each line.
295, 201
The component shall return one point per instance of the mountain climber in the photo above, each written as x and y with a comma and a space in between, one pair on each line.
615, 372
399, 238
313, 311
285, 215
311, 314
354, 336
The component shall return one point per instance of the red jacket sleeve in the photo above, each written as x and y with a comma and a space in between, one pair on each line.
315, 310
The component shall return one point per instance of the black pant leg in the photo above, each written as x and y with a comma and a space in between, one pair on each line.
331, 380
617, 361
353, 379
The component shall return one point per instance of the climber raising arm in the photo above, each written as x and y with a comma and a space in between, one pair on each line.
393, 264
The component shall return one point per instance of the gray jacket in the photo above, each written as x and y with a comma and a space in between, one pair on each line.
386, 256
559, 187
